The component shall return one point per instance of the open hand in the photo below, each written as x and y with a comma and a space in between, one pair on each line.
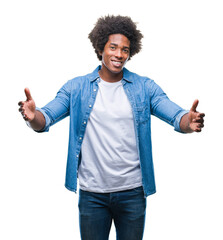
196, 119
28, 107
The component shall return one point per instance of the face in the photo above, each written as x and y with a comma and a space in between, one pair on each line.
116, 53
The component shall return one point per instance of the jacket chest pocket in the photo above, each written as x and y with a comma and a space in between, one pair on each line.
142, 112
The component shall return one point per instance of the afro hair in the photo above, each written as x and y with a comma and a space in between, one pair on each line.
105, 26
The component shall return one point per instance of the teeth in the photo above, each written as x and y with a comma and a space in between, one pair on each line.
117, 63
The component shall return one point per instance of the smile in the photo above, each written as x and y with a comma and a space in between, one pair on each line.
116, 63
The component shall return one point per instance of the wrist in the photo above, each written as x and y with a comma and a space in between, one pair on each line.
185, 124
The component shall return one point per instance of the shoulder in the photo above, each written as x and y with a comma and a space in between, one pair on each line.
137, 79
83, 79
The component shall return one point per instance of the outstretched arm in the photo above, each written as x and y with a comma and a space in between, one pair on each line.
29, 112
192, 121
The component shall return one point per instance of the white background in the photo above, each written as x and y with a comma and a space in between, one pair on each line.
44, 43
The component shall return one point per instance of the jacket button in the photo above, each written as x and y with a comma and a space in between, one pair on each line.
90, 106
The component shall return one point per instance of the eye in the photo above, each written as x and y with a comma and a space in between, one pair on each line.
112, 47
125, 50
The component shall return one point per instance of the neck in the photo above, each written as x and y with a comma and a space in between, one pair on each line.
109, 76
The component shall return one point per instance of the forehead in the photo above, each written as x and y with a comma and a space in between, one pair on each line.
118, 39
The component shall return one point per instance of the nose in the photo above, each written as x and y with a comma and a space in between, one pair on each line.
118, 54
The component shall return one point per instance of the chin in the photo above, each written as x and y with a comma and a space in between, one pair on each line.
115, 69
111, 68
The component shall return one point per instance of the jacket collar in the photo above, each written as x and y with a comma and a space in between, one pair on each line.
127, 75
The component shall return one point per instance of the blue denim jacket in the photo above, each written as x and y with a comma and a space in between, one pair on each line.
76, 99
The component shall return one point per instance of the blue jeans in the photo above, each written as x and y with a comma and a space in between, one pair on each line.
126, 208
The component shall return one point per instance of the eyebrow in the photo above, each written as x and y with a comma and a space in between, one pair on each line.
117, 45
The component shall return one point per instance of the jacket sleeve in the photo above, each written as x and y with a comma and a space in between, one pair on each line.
58, 108
163, 108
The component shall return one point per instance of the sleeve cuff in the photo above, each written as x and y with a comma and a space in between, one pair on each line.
178, 119
47, 119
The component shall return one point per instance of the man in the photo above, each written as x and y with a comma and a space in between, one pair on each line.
110, 138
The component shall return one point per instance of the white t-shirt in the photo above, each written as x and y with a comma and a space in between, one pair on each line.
110, 160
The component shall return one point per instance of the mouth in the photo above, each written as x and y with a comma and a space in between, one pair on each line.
116, 63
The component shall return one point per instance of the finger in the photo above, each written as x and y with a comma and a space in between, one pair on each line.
201, 115
194, 106
28, 94
200, 125
198, 115
23, 114
198, 120
25, 117
199, 128
21, 103
21, 109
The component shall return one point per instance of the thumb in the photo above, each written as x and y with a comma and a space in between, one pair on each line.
194, 106
28, 94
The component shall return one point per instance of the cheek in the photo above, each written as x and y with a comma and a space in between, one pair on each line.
126, 60
104, 58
